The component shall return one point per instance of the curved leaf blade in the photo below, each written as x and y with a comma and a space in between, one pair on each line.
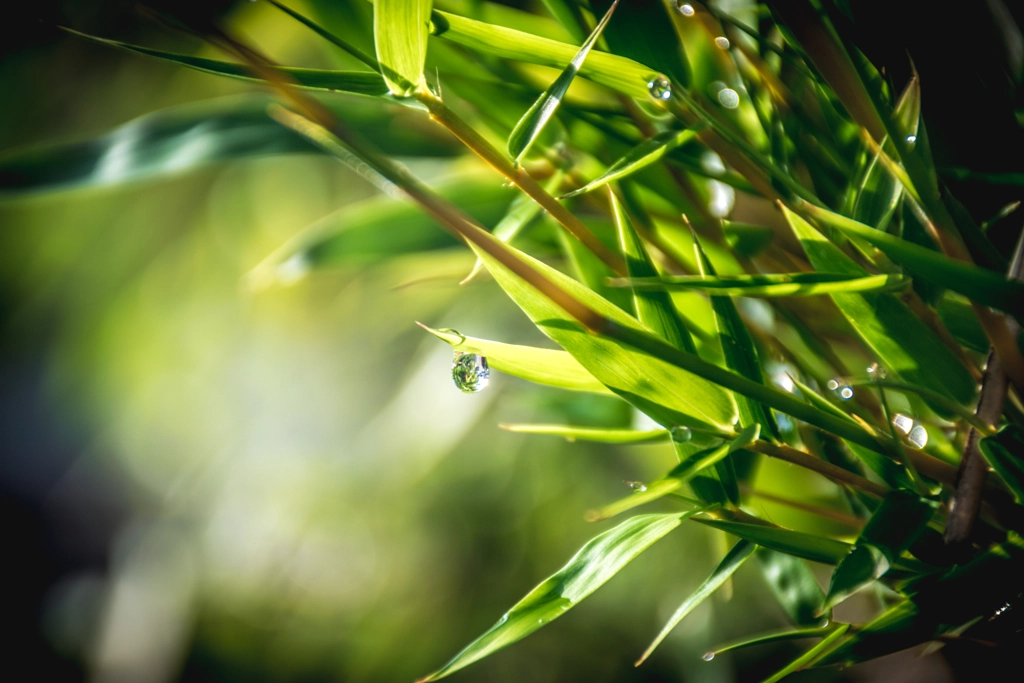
1005, 453
638, 158
794, 586
726, 568
768, 286
538, 115
796, 543
596, 562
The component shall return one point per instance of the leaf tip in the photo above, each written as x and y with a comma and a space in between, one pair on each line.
593, 516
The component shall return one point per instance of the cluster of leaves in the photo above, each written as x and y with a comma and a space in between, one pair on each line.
664, 119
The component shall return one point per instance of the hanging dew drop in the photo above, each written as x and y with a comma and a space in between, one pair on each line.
722, 42
708, 656
680, 434
660, 88
876, 371
686, 9
728, 98
470, 372
637, 486
918, 437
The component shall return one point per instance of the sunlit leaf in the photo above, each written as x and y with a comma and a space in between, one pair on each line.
595, 563
900, 341
400, 30
538, 115
574, 433
641, 156
543, 366
783, 284
726, 568
808, 657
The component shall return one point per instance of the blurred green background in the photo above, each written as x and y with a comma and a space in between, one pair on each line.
210, 482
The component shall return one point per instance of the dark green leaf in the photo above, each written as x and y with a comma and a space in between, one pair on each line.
745, 239
641, 156
1005, 453
797, 543
643, 31
793, 585
807, 658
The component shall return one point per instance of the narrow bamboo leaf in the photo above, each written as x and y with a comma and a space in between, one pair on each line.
543, 366
958, 316
1005, 453
794, 586
324, 33
643, 31
745, 239
808, 657
726, 568
901, 342
678, 476
521, 213
537, 116
654, 309
574, 433
668, 394
796, 543
795, 284
568, 15
596, 562
400, 30
641, 156
891, 472
624, 75
893, 527
737, 347
355, 82
987, 287
775, 637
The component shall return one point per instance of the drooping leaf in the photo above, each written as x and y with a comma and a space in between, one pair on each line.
670, 395
900, 341
543, 366
596, 562
794, 586
538, 115
984, 286
796, 543
624, 75
774, 637
641, 156
1005, 453
893, 527
574, 433
400, 30
354, 82
733, 560
819, 650
679, 475
782, 284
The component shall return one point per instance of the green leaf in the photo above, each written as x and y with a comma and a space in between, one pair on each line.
185, 138
543, 366
678, 476
781, 284
900, 341
643, 31
654, 309
596, 562
1005, 453
737, 347
796, 543
400, 30
984, 286
641, 156
568, 15
668, 394
538, 115
619, 73
819, 650
893, 527
574, 433
794, 586
775, 637
324, 33
726, 568
746, 239
354, 82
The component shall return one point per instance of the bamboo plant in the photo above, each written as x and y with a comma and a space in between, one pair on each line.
633, 133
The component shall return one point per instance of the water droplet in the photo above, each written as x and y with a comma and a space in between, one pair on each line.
708, 656
832, 384
686, 9
823, 623
637, 486
845, 392
911, 139
660, 88
728, 98
680, 434
470, 372
876, 371
902, 423
918, 436
722, 42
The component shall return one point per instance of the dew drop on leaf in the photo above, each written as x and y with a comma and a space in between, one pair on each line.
708, 656
728, 98
685, 8
470, 372
681, 434
637, 486
660, 88
918, 437
911, 139
722, 42
902, 423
